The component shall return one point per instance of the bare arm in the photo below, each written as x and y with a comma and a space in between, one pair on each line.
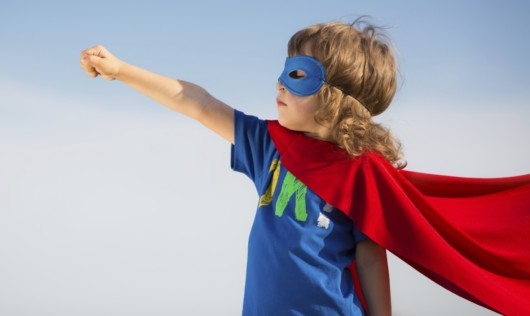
372, 268
181, 96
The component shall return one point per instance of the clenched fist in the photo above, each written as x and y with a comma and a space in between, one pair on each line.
98, 60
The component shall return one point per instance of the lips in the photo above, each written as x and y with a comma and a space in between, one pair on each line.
280, 103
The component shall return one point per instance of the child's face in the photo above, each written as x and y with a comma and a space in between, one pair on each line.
298, 112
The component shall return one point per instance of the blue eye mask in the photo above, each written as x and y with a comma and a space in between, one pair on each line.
310, 83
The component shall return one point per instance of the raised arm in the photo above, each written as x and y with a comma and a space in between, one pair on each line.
181, 96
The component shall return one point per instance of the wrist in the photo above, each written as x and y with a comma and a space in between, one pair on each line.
121, 70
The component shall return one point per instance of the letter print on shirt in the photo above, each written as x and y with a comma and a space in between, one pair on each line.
266, 198
290, 186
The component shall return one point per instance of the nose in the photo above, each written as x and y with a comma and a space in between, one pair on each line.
279, 86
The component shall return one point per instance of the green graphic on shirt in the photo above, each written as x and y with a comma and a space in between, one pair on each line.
290, 186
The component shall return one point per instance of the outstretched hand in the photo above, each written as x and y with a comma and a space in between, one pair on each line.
98, 60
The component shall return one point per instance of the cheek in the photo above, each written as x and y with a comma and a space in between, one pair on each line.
291, 119
299, 114
309, 108
298, 120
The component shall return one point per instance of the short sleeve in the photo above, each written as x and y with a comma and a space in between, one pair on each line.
358, 236
253, 149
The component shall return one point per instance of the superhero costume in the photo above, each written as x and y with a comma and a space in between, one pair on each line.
299, 248
480, 227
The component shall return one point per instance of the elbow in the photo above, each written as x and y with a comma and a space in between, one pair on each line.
191, 100
203, 109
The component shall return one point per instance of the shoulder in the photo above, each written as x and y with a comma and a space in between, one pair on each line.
249, 126
246, 119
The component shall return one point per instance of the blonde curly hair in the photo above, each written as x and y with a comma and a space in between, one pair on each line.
361, 76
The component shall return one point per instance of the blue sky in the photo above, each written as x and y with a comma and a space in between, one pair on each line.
104, 194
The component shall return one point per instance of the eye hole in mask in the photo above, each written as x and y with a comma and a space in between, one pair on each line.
297, 74
302, 75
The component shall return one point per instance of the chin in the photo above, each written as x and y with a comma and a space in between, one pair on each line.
284, 123
289, 125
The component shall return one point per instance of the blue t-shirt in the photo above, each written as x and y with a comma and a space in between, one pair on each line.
300, 247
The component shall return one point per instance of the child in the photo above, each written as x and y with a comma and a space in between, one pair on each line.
325, 172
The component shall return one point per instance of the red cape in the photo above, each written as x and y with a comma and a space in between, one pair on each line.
470, 235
